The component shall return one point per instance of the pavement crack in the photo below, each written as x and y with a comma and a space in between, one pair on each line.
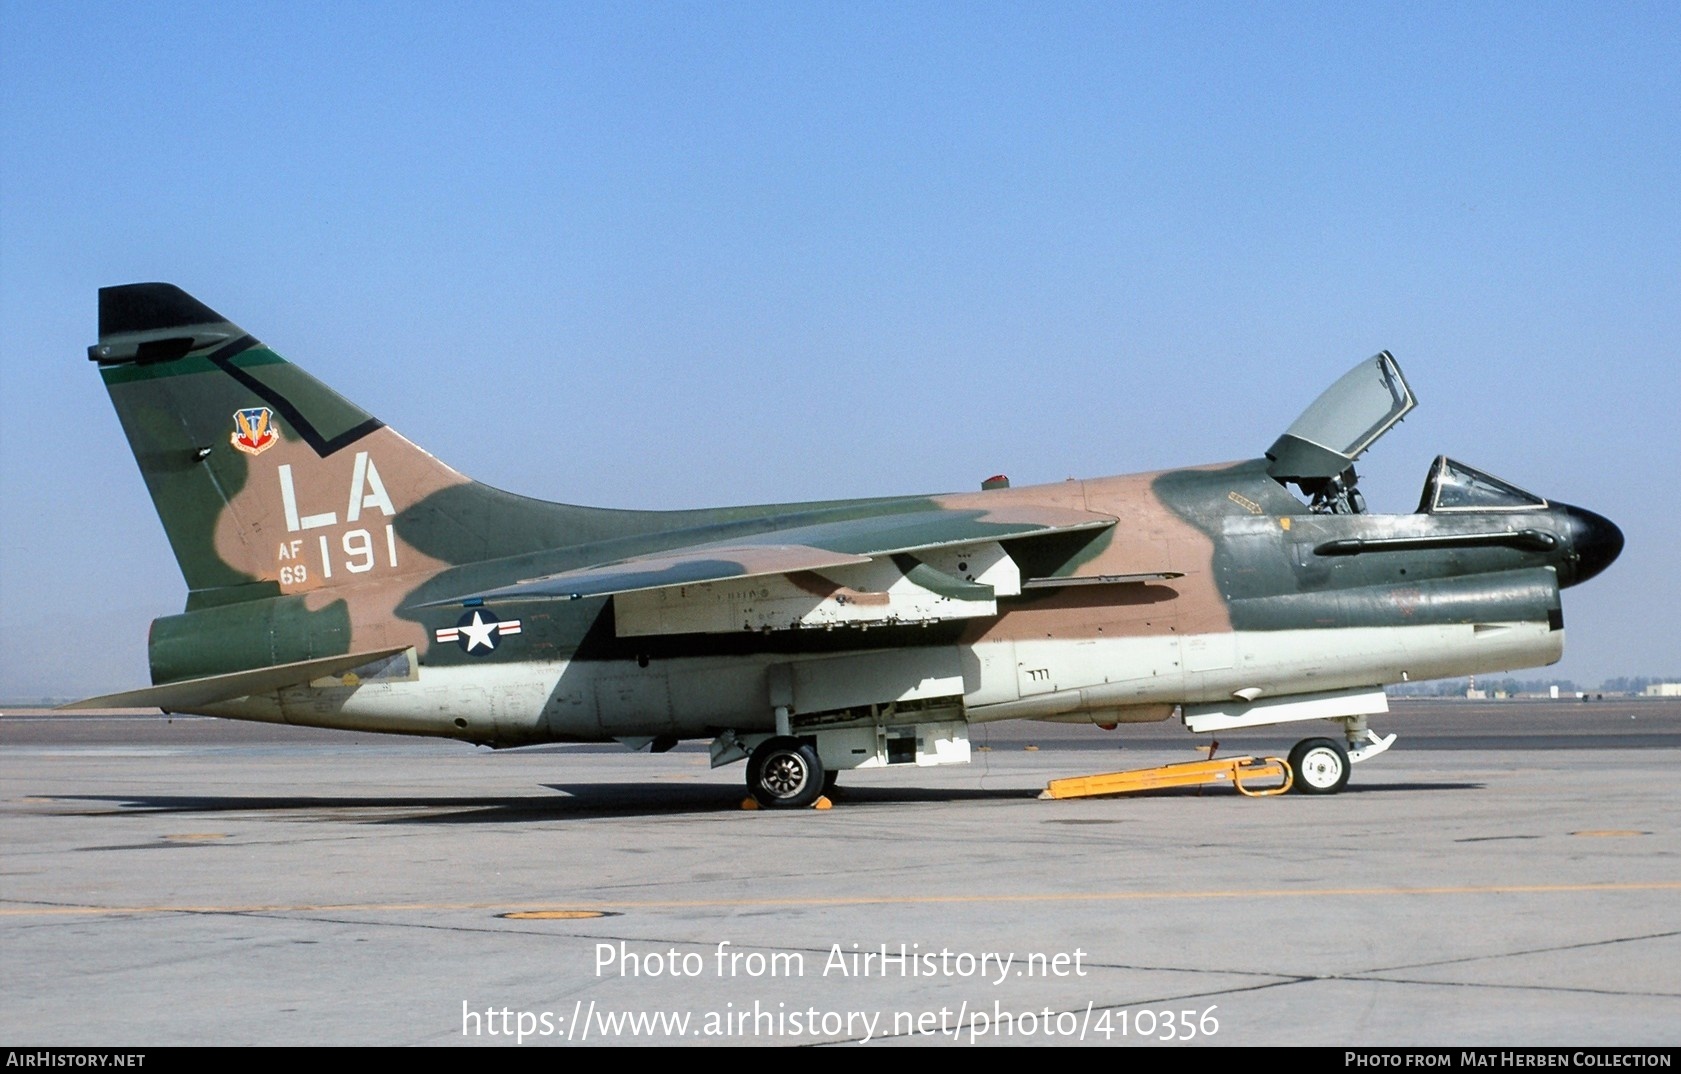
1497, 985
1585, 945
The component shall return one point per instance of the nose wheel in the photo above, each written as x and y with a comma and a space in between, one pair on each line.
1320, 766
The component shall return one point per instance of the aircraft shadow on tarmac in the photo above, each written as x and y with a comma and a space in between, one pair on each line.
600, 799
614, 799
574, 800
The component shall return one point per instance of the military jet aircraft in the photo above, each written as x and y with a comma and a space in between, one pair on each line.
339, 576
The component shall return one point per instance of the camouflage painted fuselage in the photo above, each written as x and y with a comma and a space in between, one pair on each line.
339, 576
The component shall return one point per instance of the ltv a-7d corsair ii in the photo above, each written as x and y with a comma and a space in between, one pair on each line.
339, 576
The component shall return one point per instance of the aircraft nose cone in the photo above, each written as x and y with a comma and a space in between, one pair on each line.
1596, 539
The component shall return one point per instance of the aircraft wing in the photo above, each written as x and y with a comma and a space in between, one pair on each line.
684, 566
910, 567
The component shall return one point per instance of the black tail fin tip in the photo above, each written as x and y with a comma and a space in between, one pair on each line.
147, 307
153, 322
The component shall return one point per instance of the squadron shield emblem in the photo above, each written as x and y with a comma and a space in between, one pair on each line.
253, 430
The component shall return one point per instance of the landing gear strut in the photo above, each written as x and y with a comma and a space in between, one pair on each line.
785, 773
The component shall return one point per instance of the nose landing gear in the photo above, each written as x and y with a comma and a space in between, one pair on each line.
1321, 765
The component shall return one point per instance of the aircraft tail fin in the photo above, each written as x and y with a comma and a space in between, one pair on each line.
269, 482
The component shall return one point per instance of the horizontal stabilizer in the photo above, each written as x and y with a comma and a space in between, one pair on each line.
196, 693
824, 546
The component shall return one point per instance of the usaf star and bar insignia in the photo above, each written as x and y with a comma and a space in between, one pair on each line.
478, 631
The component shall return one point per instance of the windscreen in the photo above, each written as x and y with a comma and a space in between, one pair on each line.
1453, 486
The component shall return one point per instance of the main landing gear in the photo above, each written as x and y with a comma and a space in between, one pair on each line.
785, 773
794, 765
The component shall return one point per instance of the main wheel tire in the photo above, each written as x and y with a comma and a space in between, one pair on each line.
785, 773
1320, 766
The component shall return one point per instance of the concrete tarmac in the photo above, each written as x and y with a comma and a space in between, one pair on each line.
1508, 874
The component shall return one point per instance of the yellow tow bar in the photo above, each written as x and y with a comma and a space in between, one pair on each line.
1185, 774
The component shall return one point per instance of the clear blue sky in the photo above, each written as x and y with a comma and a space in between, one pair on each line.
670, 255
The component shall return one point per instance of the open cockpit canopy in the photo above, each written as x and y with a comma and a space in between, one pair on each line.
1342, 423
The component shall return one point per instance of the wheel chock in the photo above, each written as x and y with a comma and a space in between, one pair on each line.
1235, 770
822, 802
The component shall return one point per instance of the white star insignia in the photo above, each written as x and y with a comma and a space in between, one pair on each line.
478, 633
